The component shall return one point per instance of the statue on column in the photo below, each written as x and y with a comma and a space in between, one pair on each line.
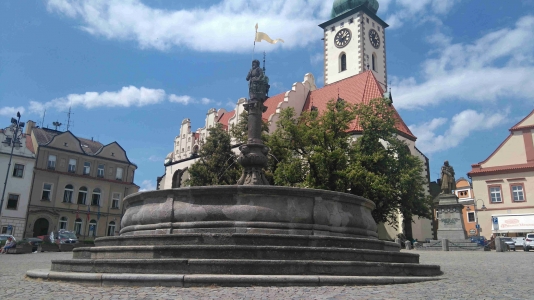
253, 156
448, 183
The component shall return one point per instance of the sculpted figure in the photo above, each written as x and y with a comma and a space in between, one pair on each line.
255, 80
447, 178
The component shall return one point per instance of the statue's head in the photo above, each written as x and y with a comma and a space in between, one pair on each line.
446, 162
255, 63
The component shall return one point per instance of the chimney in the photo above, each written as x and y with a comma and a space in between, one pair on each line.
29, 127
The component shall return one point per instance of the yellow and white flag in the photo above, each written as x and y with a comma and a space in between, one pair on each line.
263, 36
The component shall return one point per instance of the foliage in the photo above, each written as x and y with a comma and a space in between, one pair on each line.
217, 164
318, 151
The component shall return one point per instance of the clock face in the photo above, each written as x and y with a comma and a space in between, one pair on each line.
374, 38
342, 38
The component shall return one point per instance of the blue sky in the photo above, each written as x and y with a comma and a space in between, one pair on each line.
462, 72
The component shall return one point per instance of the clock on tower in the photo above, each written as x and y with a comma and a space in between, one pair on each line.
354, 41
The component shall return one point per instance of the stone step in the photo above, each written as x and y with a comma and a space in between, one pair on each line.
244, 267
181, 280
248, 239
243, 252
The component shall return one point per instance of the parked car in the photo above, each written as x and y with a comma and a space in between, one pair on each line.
528, 243
65, 237
509, 242
35, 242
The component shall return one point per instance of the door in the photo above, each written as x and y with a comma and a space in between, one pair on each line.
40, 227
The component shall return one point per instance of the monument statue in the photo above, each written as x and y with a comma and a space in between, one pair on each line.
447, 178
253, 155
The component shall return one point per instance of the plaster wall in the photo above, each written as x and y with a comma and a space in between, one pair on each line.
511, 153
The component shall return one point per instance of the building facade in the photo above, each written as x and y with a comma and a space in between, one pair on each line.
17, 189
465, 195
78, 185
354, 33
504, 183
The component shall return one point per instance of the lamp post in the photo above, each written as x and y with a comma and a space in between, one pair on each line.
476, 215
16, 125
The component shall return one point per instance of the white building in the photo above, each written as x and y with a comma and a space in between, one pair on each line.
354, 70
19, 182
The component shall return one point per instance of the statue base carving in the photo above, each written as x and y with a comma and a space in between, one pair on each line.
253, 159
451, 224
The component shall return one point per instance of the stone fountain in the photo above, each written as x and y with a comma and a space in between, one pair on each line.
243, 235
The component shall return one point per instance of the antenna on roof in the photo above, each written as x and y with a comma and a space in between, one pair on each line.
68, 120
56, 124
42, 122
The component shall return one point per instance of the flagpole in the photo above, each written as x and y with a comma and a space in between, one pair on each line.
254, 48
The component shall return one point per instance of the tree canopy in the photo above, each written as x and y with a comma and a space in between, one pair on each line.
217, 163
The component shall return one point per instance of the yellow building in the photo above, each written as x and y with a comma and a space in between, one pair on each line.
504, 183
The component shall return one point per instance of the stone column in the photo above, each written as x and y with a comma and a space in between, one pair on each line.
445, 245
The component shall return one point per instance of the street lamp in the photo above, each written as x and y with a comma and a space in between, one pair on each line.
476, 215
14, 142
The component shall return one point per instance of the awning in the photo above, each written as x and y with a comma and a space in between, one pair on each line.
512, 223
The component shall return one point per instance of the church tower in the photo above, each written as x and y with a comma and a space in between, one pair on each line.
354, 41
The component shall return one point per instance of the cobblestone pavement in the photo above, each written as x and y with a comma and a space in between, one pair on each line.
468, 275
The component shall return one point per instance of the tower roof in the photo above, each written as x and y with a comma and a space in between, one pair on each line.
341, 6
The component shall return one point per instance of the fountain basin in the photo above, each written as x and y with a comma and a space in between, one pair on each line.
248, 209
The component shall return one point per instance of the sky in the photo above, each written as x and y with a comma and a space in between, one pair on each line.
461, 71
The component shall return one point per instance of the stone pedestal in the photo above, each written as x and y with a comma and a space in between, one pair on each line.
451, 224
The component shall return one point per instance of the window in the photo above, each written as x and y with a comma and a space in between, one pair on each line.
63, 223
118, 174
7, 229
12, 201
351, 20
115, 200
67, 195
96, 197
333, 28
373, 60
78, 226
367, 20
471, 216
92, 228
18, 171
495, 194
111, 228
343, 62
86, 168
72, 165
51, 162
517, 193
82, 195
100, 172
47, 191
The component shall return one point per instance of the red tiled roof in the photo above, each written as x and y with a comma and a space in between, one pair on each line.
502, 169
359, 88
225, 117
272, 104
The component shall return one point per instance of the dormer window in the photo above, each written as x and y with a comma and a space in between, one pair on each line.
66, 144
112, 153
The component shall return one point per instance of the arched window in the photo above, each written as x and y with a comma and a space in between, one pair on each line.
82, 195
63, 223
95, 200
373, 61
111, 228
67, 195
342, 62
92, 228
78, 226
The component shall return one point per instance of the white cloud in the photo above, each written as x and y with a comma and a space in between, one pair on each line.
227, 26
147, 185
499, 64
316, 58
205, 101
126, 97
155, 158
10, 111
419, 10
180, 99
460, 127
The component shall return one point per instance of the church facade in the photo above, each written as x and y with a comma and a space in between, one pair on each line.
354, 70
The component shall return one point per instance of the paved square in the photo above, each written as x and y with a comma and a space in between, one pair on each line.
468, 275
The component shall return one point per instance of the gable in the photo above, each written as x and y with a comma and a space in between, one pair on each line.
113, 151
527, 122
66, 141
510, 152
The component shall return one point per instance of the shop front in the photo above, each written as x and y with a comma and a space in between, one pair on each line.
512, 225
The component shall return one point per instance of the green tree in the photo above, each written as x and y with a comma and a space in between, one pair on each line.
318, 151
217, 164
